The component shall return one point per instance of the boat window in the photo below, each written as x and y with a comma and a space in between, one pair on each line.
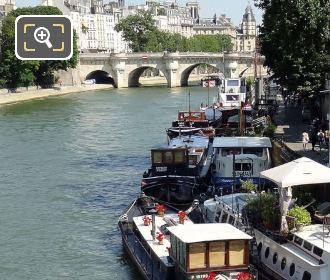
292, 269
168, 157
317, 251
259, 248
246, 166
230, 151
179, 156
306, 276
283, 263
253, 151
173, 245
224, 217
267, 252
290, 236
197, 255
308, 245
217, 254
232, 83
157, 157
298, 240
193, 159
231, 220
236, 252
275, 257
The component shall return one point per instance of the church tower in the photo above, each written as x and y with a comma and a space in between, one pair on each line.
193, 7
121, 3
249, 22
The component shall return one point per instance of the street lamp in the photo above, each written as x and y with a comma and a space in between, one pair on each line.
328, 91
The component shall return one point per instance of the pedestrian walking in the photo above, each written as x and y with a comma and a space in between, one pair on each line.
305, 139
327, 136
313, 135
320, 139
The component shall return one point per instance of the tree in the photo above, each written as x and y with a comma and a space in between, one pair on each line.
136, 29
16, 72
295, 39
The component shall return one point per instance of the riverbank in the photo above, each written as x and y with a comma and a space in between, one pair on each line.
21, 96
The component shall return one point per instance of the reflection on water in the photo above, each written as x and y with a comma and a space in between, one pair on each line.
69, 166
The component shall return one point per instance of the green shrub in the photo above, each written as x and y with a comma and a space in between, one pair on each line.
301, 215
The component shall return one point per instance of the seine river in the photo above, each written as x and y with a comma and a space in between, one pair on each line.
69, 166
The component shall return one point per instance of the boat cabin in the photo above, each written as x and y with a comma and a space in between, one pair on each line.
198, 249
192, 119
232, 93
181, 157
248, 156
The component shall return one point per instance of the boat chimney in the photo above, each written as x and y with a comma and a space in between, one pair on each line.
153, 216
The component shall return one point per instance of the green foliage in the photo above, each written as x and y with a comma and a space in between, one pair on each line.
270, 130
264, 209
16, 72
301, 215
139, 30
161, 12
248, 185
136, 29
295, 39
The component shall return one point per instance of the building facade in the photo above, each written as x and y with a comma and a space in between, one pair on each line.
5, 7
94, 23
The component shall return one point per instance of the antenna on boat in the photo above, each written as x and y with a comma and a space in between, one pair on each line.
189, 103
234, 178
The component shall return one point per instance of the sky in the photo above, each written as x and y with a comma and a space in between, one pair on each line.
233, 9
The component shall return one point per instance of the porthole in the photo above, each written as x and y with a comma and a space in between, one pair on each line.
283, 263
275, 256
307, 276
292, 269
259, 248
267, 252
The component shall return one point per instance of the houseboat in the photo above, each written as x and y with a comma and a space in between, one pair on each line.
167, 245
190, 123
291, 254
239, 158
179, 172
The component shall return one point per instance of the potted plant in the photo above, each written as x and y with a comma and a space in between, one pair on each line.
248, 186
146, 220
301, 216
182, 216
160, 209
160, 238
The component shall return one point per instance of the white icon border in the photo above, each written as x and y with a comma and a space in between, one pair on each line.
42, 58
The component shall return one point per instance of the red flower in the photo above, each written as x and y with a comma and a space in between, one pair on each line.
160, 208
244, 276
159, 236
146, 219
210, 276
182, 215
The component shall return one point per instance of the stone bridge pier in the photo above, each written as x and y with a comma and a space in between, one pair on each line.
125, 69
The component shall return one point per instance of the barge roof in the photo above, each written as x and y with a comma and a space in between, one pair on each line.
234, 142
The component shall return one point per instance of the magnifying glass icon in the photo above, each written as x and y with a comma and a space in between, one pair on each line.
41, 35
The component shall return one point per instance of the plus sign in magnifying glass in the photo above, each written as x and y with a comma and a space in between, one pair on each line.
41, 35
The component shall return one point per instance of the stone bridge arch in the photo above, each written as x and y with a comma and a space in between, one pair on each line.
101, 77
135, 74
186, 72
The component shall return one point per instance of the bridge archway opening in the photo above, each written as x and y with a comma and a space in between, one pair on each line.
101, 77
146, 76
193, 74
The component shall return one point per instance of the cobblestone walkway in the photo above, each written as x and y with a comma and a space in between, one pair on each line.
290, 129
